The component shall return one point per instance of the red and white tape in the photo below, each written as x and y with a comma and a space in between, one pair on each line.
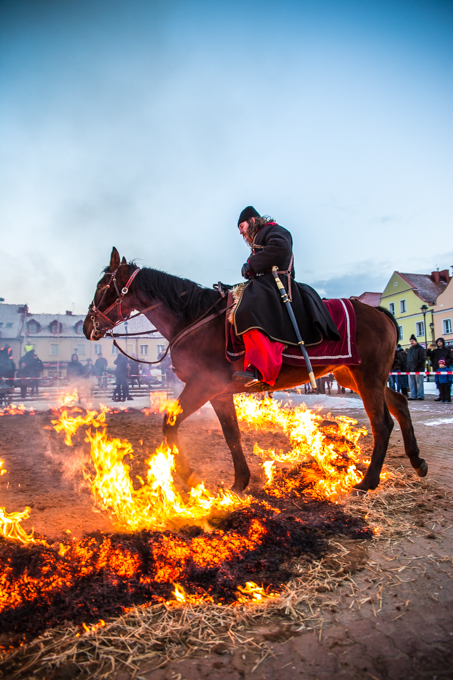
422, 373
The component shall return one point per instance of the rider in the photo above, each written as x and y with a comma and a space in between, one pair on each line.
259, 316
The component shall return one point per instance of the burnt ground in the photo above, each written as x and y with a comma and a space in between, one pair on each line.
401, 624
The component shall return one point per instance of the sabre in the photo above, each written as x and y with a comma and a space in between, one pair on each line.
300, 342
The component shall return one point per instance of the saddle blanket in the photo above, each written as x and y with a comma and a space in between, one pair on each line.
327, 352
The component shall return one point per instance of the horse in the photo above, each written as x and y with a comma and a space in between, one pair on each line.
192, 319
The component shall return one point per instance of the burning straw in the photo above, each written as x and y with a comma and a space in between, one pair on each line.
184, 616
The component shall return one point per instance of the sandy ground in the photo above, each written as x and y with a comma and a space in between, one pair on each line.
410, 635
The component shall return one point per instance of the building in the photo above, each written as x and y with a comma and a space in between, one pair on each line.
411, 298
443, 315
371, 299
56, 337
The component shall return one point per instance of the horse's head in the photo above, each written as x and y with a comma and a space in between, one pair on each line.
112, 302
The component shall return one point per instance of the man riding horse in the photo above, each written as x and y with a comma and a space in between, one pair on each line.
259, 317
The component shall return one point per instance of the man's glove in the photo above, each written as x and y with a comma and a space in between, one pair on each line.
247, 271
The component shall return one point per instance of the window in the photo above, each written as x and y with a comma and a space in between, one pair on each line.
144, 350
402, 306
446, 323
54, 349
114, 349
160, 349
79, 327
419, 329
401, 332
32, 327
55, 327
9, 325
392, 307
97, 348
81, 349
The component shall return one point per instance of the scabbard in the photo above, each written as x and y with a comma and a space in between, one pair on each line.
300, 342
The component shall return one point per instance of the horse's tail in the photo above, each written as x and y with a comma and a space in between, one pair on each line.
392, 318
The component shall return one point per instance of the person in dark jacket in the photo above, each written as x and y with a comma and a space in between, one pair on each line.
416, 358
35, 372
121, 392
399, 382
259, 316
74, 369
437, 351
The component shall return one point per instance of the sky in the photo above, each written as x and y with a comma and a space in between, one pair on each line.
148, 125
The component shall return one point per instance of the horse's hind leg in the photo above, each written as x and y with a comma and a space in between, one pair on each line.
398, 407
226, 413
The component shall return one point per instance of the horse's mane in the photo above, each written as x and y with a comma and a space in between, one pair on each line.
185, 298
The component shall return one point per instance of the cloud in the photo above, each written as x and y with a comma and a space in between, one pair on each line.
365, 276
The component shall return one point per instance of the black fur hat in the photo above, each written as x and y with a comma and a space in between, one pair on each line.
247, 213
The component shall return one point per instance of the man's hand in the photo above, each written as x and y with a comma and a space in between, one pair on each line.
247, 271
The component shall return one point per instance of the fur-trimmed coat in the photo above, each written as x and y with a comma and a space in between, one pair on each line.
260, 305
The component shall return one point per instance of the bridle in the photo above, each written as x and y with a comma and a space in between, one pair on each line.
117, 305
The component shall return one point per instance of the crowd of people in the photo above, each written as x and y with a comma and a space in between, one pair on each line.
413, 360
84, 376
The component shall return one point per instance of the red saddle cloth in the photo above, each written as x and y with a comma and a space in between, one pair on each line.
328, 352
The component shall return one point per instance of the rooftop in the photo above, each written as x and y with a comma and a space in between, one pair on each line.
425, 286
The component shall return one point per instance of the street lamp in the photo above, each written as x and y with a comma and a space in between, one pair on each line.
424, 309
431, 328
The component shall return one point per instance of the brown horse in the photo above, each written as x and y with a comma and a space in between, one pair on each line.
192, 318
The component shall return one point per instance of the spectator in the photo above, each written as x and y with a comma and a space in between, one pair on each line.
399, 382
35, 371
24, 371
88, 369
74, 369
439, 352
416, 358
121, 392
134, 371
100, 368
7, 365
443, 382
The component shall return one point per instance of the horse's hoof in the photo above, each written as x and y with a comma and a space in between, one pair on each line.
422, 471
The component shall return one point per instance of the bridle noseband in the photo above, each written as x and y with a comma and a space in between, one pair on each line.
94, 310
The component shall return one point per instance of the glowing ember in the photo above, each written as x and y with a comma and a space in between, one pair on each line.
331, 442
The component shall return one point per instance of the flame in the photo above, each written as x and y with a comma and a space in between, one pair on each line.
251, 592
13, 410
332, 442
69, 399
160, 403
156, 502
10, 522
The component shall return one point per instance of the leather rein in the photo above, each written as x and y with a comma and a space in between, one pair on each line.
117, 305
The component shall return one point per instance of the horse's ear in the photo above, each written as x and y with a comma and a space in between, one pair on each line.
114, 260
124, 261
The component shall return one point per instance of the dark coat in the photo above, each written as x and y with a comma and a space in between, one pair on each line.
261, 305
122, 366
416, 357
400, 360
440, 353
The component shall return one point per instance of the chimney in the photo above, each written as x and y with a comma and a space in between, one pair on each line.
435, 276
68, 312
445, 275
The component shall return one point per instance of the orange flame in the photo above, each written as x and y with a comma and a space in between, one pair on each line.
252, 592
332, 442
10, 522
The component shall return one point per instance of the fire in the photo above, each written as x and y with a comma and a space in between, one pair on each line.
13, 410
251, 592
10, 521
332, 442
160, 403
69, 399
156, 503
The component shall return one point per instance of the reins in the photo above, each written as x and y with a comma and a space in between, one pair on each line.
117, 304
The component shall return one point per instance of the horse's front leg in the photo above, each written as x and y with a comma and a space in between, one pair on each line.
192, 398
226, 413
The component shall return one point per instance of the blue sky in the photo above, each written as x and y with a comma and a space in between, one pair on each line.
150, 125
